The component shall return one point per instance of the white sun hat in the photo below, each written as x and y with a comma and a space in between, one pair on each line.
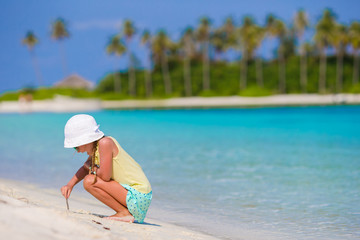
81, 129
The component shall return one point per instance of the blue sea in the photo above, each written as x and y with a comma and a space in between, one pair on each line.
291, 172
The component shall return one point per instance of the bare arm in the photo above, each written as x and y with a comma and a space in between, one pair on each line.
79, 175
106, 154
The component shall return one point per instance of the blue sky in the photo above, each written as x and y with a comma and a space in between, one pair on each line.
92, 22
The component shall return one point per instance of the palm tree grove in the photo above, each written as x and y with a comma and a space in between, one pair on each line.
308, 57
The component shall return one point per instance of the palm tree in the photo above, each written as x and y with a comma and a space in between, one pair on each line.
339, 41
188, 44
258, 36
324, 31
270, 24
129, 32
60, 33
146, 40
30, 41
245, 35
203, 36
301, 23
218, 41
278, 29
229, 31
354, 33
270, 20
115, 46
160, 47
224, 37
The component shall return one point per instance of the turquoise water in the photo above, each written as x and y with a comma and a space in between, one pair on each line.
294, 172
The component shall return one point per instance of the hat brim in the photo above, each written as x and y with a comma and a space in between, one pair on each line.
82, 140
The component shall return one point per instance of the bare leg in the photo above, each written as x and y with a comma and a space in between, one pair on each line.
112, 194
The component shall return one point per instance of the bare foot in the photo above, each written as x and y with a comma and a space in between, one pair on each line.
122, 218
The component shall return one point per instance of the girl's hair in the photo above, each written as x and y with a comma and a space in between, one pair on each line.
95, 145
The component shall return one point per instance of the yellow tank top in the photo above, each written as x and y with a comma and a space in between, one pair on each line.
126, 170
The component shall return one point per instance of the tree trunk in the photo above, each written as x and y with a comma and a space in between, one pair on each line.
36, 68
131, 73
303, 72
117, 82
322, 75
339, 71
206, 68
63, 58
243, 78
166, 75
132, 80
282, 73
187, 76
356, 68
148, 82
259, 72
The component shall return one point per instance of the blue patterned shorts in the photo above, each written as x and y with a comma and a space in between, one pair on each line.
137, 203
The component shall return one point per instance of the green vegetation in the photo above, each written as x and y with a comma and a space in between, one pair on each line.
224, 81
10, 96
355, 88
48, 93
255, 91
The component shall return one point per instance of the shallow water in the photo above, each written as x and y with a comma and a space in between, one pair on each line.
290, 171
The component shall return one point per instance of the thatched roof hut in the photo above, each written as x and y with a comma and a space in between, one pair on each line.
75, 81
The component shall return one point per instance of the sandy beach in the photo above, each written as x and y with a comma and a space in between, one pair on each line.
67, 104
29, 212
236, 101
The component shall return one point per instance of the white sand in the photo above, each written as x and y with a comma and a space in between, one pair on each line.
58, 104
236, 101
28, 212
67, 104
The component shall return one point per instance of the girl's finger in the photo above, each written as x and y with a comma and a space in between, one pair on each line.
68, 193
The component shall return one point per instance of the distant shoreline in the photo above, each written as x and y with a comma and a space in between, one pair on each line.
68, 104
236, 101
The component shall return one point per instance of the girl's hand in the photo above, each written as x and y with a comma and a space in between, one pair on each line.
66, 191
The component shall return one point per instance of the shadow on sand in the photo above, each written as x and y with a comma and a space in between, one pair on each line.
103, 216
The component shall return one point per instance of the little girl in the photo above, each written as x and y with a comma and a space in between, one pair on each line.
110, 174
